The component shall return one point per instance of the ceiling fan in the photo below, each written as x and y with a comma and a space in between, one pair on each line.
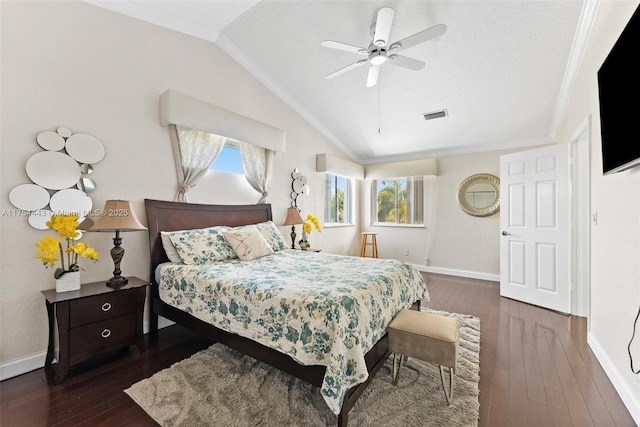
380, 51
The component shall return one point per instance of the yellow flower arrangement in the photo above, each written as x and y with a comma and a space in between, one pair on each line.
310, 223
50, 249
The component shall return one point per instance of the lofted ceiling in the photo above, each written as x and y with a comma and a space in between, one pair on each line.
503, 70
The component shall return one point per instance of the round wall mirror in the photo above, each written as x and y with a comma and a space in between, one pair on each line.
53, 170
298, 186
71, 200
29, 197
38, 219
50, 141
85, 148
479, 195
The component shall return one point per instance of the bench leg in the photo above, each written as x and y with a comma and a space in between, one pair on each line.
398, 359
447, 394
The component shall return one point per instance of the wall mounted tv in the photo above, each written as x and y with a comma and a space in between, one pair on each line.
619, 92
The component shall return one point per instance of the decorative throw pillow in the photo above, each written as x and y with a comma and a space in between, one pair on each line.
202, 246
272, 235
248, 242
169, 249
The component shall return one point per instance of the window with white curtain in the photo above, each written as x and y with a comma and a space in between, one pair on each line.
398, 201
338, 200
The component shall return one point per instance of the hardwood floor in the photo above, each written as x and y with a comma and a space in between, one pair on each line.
535, 370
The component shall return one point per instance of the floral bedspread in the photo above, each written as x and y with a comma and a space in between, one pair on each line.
320, 309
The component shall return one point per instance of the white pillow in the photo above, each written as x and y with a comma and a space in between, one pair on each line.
248, 242
272, 235
169, 249
202, 246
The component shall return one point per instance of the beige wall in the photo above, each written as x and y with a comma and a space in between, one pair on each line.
453, 241
615, 240
72, 64
463, 242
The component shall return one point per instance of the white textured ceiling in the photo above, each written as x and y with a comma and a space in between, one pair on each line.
500, 70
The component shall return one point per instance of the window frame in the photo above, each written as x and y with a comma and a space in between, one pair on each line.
349, 201
417, 195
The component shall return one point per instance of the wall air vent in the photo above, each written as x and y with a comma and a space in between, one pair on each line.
435, 114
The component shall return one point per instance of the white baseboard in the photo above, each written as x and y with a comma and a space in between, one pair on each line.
22, 366
162, 323
36, 361
459, 273
627, 395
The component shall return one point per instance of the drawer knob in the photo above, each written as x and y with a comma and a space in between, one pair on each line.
106, 333
106, 306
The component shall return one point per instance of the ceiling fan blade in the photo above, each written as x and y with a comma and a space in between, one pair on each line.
383, 26
406, 62
372, 78
345, 69
418, 38
343, 46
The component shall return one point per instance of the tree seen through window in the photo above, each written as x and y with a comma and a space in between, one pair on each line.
399, 200
338, 199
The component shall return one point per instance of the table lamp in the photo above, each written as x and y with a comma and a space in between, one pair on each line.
118, 215
293, 218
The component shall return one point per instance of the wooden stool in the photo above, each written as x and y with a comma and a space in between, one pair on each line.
365, 242
430, 337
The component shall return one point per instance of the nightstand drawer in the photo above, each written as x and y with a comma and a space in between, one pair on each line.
101, 307
88, 340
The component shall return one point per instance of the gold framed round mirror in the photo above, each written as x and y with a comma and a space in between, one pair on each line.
479, 194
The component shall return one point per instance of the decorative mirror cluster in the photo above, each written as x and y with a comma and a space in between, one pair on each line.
299, 186
479, 195
66, 162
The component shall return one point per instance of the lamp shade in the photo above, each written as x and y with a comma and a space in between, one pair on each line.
293, 217
118, 215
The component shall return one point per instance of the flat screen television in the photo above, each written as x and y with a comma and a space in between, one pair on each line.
619, 97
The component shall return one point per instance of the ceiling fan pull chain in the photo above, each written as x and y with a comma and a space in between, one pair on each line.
379, 84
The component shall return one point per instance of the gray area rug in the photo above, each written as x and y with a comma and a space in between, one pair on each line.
221, 387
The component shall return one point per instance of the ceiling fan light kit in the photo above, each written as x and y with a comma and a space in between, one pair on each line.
378, 51
378, 58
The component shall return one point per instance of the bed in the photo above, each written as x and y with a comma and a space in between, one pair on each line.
330, 334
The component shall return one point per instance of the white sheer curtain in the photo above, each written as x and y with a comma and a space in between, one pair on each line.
432, 183
258, 164
194, 152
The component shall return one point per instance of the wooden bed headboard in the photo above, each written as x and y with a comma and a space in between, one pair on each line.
173, 216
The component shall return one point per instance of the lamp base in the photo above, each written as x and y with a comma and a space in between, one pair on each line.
116, 281
293, 237
117, 252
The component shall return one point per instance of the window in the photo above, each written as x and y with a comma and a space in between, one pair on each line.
229, 159
398, 201
338, 199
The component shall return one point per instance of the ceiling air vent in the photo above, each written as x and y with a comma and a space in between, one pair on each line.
435, 114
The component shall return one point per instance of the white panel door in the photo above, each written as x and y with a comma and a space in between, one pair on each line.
535, 245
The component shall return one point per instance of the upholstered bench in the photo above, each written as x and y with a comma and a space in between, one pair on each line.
430, 337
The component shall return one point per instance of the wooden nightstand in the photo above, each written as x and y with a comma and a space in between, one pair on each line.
93, 320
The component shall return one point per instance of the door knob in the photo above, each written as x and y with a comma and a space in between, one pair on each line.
506, 233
